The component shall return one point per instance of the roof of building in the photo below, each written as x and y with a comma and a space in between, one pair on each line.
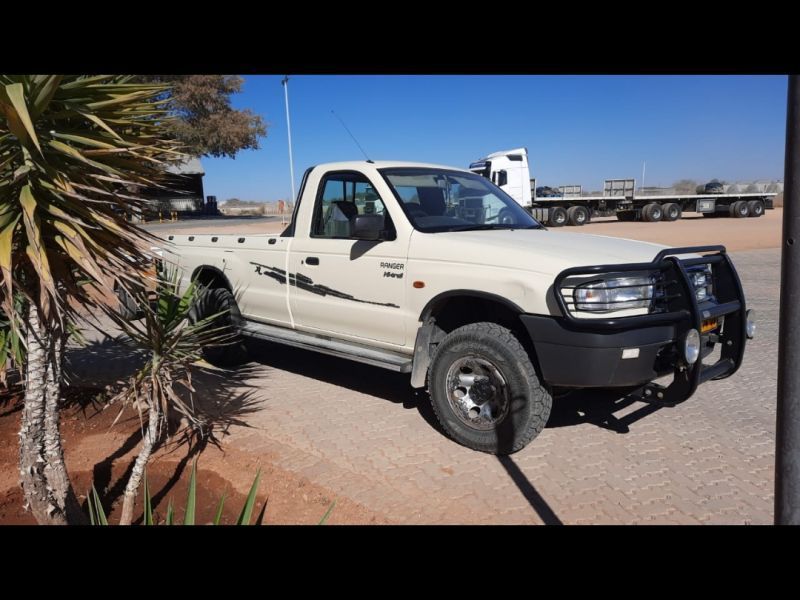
191, 166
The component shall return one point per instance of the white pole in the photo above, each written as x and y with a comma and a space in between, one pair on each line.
285, 83
644, 165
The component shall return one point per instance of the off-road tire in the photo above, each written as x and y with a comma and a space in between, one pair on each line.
529, 401
219, 300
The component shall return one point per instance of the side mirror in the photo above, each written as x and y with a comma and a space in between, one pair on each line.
367, 227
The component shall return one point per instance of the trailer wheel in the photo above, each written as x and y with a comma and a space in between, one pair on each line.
739, 209
578, 215
485, 391
672, 212
756, 208
652, 212
558, 217
626, 215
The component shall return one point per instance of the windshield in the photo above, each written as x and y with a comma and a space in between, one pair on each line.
438, 200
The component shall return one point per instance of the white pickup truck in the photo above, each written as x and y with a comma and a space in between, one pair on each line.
436, 272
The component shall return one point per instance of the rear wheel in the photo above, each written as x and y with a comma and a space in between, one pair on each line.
739, 209
485, 391
672, 212
578, 215
756, 208
652, 213
221, 302
558, 217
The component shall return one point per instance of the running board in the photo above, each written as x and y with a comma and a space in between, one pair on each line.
385, 359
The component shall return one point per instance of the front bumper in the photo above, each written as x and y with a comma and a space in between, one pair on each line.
580, 352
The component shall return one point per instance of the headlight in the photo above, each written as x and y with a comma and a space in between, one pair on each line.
615, 293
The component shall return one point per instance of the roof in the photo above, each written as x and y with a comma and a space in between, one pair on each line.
384, 164
190, 166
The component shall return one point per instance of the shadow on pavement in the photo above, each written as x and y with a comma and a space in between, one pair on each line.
597, 407
358, 377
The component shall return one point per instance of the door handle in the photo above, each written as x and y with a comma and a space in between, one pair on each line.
312, 260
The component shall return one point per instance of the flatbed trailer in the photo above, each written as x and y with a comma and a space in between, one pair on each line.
509, 170
578, 210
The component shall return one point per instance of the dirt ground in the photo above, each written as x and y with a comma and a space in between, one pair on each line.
691, 230
99, 453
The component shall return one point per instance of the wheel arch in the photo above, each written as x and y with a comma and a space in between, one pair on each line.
211, 277
452, 309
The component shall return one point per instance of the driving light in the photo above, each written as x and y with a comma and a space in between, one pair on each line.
750, 328
691, 346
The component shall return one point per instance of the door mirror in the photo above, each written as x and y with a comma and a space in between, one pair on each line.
502, 178
367, 227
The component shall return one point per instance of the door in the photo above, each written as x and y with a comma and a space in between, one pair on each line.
342, 285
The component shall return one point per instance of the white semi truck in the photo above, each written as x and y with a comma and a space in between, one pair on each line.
509, 170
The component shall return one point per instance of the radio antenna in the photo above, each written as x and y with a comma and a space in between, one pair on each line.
351, 135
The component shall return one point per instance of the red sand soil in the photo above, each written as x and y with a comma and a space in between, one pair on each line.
97, 452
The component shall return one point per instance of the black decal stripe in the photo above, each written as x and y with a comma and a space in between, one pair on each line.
306, 283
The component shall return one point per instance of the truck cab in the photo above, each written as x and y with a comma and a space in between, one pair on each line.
508, 170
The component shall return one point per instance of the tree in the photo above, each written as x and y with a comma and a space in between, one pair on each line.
206, 122
685, 186
70, 147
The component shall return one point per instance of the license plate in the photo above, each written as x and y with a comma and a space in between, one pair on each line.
709, 325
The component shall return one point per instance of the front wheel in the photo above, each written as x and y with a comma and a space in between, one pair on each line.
485, 391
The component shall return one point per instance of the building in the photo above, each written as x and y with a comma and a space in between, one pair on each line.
185, 193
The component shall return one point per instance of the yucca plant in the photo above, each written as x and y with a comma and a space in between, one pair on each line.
98, 517
173, 341
72, 149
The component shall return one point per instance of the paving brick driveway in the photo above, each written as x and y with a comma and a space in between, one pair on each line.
364, 433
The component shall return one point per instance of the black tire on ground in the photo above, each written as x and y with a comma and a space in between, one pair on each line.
672, 212
739, 209
626, 215
219, 300
652, 213
558, 217
756, 208
578, 215
518, 409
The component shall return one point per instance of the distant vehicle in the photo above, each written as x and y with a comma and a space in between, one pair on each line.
713, 187
510, 172
547, 192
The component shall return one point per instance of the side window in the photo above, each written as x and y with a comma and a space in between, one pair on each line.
344, 196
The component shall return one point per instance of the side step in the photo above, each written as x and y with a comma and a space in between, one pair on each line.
385, 359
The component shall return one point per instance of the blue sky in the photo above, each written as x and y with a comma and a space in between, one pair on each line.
578, 129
